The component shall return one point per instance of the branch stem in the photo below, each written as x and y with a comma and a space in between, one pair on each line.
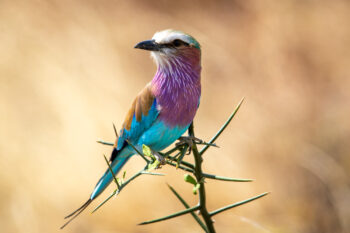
200, 179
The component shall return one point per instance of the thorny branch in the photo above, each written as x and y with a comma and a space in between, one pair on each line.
174, 157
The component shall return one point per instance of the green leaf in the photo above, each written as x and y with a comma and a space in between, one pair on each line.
120, 181
189, 179
195, 188
153, 165
147, 151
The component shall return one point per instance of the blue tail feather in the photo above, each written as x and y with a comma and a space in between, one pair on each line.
119, 161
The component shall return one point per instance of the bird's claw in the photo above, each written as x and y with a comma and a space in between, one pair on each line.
159, 158
189, 140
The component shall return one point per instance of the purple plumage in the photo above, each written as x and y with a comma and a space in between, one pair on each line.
177, 87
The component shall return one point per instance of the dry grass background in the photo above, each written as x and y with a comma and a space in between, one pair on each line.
68, 70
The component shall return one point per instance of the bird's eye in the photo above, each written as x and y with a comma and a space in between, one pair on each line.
178, 43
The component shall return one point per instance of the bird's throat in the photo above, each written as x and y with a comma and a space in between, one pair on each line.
177, 89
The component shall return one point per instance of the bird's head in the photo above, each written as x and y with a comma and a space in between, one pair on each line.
169, 46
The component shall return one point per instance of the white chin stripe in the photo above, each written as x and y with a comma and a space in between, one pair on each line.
161, 59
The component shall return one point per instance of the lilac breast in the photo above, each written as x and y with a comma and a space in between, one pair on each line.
177, 90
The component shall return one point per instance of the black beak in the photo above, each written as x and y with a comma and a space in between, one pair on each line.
148, 45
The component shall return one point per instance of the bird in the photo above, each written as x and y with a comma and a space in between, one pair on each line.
164, 109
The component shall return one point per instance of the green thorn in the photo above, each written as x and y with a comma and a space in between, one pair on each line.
175, 157
172, 150
115, 131
222, 128
181, 167
183, 152
189, 210
152, 173
208, 144
105, 143
190, 165
195, 216
107, 199
111, 170
237, 204
187, 164
138, 152
209, 176
117, 191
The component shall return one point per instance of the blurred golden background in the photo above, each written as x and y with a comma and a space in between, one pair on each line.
68, 70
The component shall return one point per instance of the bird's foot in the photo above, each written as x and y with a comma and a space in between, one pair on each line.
159, 158
189, 140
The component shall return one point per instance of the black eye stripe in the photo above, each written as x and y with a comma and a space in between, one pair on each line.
178, 43
174, 43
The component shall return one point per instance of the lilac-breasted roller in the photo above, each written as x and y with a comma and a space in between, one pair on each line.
164, 109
